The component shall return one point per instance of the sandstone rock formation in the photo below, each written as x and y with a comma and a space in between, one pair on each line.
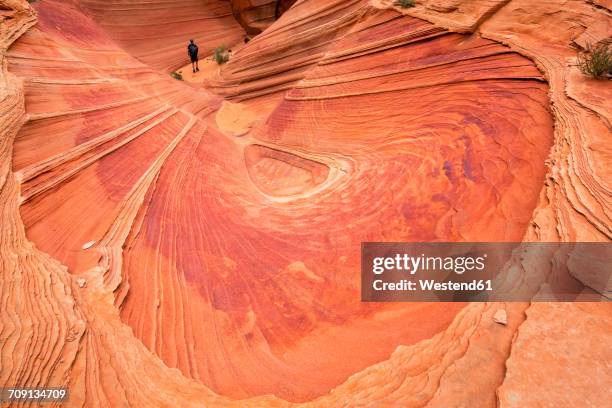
256, 16
154, 248
157, 32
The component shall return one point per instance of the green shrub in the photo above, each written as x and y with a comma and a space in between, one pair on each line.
221, 55
404, 3
597, 61
177, 75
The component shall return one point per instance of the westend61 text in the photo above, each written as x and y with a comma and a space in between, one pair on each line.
431, 285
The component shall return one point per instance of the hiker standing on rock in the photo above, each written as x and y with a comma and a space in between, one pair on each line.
192, 50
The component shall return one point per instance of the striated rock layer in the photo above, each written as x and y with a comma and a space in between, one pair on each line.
256, 16
156, 32
162, 242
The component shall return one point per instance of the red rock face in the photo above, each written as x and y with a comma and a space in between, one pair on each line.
256, 16
157, 33
235, 259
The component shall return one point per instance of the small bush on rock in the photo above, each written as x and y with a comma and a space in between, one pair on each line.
596, 61
221, 55
404, 3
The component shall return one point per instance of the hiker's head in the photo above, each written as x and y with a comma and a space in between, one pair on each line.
191, 41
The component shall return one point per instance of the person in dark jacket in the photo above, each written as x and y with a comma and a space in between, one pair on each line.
192, 50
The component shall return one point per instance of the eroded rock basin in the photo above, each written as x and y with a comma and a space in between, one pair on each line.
236, 258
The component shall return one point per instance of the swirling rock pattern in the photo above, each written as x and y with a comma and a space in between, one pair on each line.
156, 32
177, 261
256, 16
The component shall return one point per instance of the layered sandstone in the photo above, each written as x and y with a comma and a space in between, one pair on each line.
256, 16
201, 244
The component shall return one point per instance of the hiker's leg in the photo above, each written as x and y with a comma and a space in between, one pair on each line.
197, 67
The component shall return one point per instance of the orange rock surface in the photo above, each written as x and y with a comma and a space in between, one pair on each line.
256, 16
163, 242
